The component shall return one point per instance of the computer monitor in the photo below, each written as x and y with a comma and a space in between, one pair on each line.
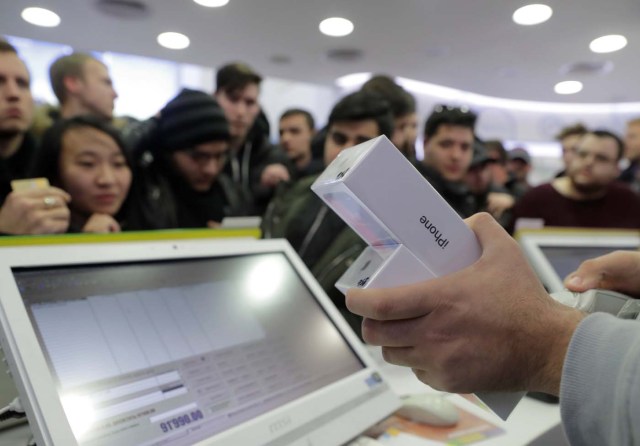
192, 342
555, 253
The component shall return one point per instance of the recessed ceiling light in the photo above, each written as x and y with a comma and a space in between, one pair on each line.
608, 44
568, 87
336, 27
212, 3
40, 17
532, 14
173, 41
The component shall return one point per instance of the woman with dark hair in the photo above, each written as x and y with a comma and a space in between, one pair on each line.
85, 157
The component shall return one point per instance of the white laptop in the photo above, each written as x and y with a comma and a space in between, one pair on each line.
219, 342
555, 253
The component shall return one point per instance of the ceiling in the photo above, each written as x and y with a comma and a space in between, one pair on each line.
469, 45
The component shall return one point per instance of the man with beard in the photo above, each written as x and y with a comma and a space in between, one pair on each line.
31, 210
589, 195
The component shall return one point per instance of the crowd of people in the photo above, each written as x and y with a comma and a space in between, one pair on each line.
205, 157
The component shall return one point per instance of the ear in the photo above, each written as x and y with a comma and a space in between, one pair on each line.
72, 84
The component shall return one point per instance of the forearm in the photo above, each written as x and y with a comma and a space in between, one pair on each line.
600, 390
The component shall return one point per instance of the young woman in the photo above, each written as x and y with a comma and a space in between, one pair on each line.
86, 158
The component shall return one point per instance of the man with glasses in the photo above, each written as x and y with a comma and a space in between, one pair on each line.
448, 151
181, 158
588, 195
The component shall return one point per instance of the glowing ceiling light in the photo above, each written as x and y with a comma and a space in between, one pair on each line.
336, 27
212, 3
608, 44
532, 14
40, 17
568, 87
173, 41
353, 80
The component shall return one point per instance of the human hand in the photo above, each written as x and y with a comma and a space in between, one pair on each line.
35, 211
214, 224
274, 174
101, 223
499, 202
617, 271
488, 327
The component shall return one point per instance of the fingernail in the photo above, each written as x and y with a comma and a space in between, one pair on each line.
575, 281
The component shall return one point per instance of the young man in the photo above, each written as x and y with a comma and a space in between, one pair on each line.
180, 165
31, 210
321, 238
519, 166
403, 107
569, 137
448, 151
588, 195
255, 164
488, 196
297, 129
83, 86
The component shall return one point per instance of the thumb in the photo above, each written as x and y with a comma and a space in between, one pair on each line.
490, 234
577, 282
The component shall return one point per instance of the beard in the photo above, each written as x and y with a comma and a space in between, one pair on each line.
589, 189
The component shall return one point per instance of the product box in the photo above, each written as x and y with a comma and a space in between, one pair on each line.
384, 267
382, 196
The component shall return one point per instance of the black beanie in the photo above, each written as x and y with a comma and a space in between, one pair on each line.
191, 118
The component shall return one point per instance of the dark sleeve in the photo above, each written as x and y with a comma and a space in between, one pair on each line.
264, 154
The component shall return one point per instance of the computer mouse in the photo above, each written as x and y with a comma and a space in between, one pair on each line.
429, 409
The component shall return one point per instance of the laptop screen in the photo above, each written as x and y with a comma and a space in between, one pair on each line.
176, 351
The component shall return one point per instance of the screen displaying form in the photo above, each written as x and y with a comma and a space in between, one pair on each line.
173, 352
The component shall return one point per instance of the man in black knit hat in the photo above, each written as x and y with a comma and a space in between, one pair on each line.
180, 163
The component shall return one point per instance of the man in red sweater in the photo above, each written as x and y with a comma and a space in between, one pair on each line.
589, 195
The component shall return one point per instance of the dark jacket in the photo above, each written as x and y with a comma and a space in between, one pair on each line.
456, 194
167, 202
324, 242
245, 166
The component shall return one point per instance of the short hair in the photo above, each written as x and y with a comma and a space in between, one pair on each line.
71, 65
236, 76
6, 47
576, 129
449, 115
497, 146
47, 160
298, 111
364, 105
401, 102
634, 121
608, 134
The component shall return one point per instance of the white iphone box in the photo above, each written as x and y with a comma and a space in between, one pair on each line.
382, 196
384, 267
